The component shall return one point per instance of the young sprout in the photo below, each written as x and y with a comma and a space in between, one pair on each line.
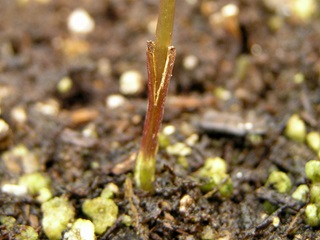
160, 61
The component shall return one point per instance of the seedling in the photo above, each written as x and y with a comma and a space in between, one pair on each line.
160, 61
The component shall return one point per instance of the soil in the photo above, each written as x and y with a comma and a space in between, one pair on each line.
257, 67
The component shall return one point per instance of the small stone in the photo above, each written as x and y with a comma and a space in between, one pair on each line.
230, 10
115, 101
131, 83
276, 221
222, 93
49, 107
64, 85
207, 233
303, 9
104, 67
168, 130
185, 203
190, 62
80, 22
90, 131
298, 78
13, 189
5, 135
82, 229
19, 114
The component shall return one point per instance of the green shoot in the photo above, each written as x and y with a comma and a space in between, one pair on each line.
160, 61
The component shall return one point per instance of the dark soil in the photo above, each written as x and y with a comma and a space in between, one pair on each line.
37, 51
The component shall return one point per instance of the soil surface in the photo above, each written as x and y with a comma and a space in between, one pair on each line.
259, 72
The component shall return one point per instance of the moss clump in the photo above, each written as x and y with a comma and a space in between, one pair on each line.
313, 141
312, 215
296, 129
312, 170
102, 211
301, 193
18, 232
315, 193
214, 175
26, 233
37, 184
279, 181
57, 213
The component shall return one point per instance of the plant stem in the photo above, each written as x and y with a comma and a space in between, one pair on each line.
163, 36
146, 160
160, 61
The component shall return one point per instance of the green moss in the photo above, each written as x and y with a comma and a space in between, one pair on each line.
313, 141
269, 207
296, 129
34, 182
315, 193
57, 213
102, 211
126, 220
312, 215
7, 221
179, 149
279, 181
163, 140
26, 233
212, 166
214, 175
301, 193
312, 170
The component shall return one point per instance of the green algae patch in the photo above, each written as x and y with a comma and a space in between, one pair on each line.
102, 211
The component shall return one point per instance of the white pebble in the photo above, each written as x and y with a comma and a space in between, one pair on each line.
19, 114
82, 229
50, 107
4, 127
190, 62
131, 83
16, 190
168, 130
185, 203
230, 10
80, 22
115, 101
